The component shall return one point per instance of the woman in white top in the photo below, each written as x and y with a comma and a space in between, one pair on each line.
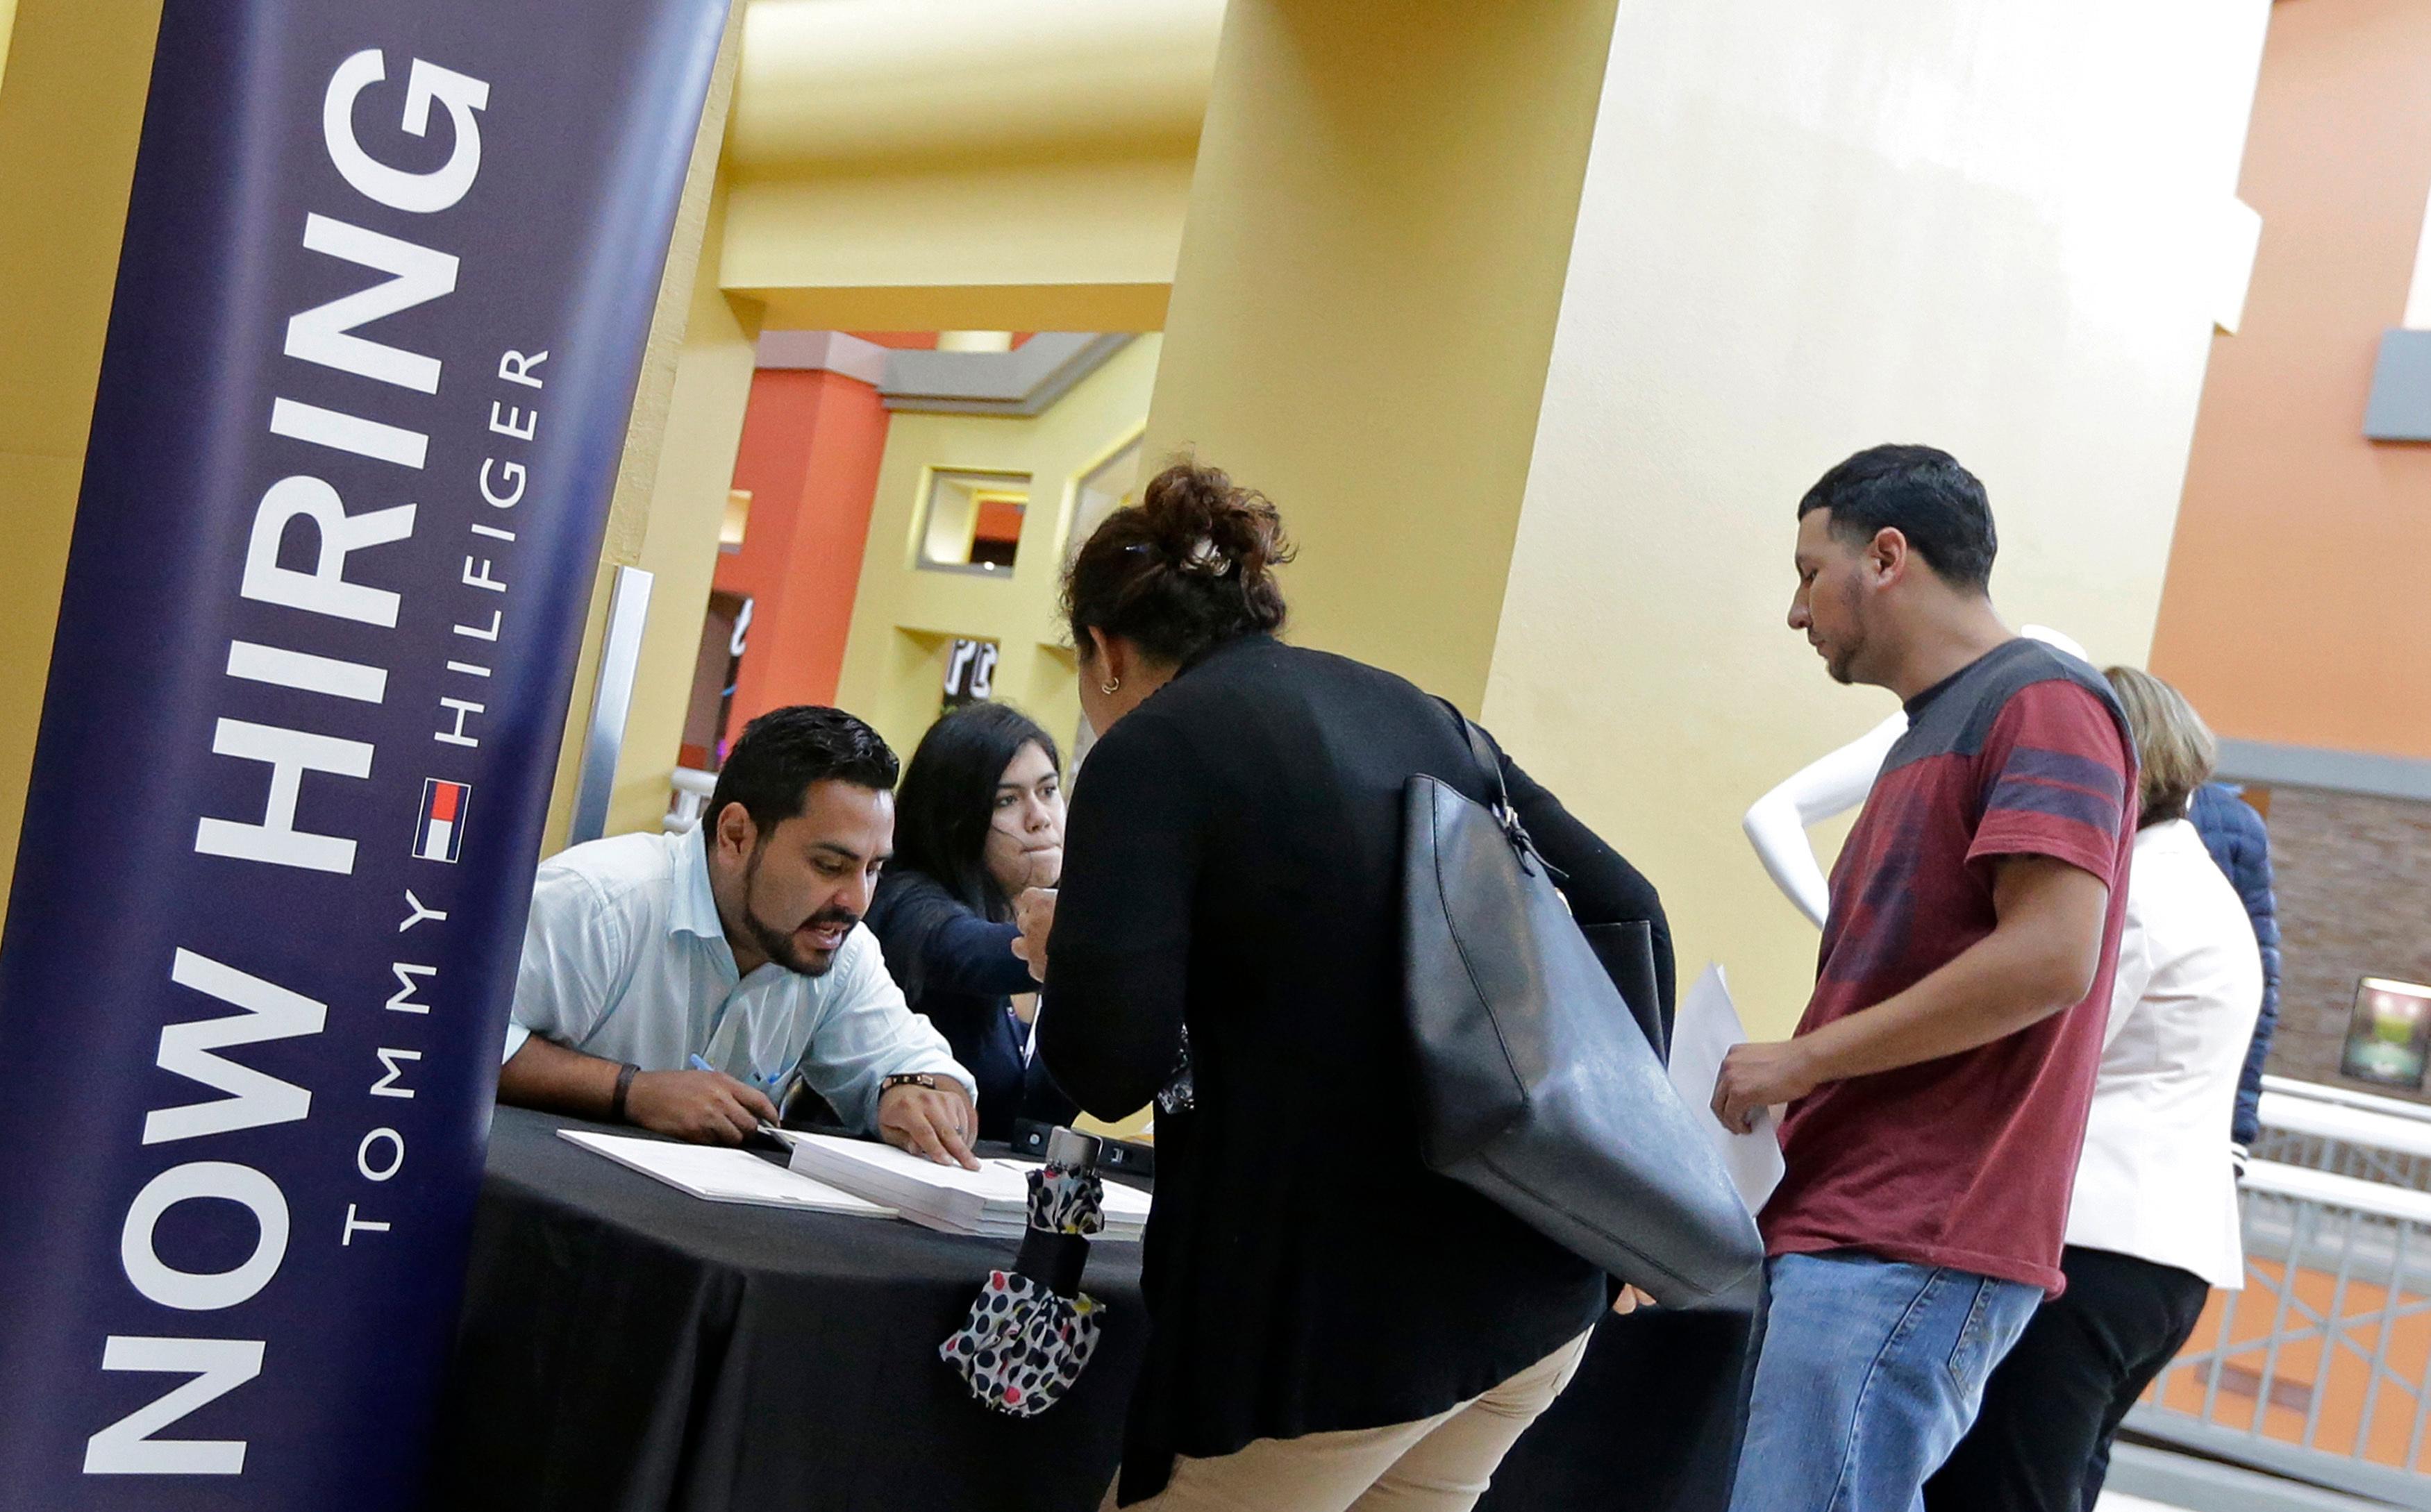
2153, 1225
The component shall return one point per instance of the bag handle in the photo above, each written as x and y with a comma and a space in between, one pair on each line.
1505, 812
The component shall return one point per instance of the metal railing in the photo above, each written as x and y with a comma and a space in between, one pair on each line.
2347, 1097
2320, 1368
2352, 1134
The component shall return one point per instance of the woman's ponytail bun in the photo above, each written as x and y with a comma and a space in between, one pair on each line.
1191, 567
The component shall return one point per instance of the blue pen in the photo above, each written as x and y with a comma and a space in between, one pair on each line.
699, 1064
766, 1127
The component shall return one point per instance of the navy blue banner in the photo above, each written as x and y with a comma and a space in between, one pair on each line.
388, 273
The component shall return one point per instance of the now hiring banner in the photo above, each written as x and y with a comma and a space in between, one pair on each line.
387, 278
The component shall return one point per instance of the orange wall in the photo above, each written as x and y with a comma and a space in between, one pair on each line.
811, 442
2296, 607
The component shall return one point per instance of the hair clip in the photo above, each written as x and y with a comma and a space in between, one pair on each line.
1205, 559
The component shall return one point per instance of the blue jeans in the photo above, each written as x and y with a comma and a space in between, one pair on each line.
1870, 1373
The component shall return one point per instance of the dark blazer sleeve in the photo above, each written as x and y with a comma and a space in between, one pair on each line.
934, 943
1601, 885
2240, 842
966, 954
1118, 961
2254, 885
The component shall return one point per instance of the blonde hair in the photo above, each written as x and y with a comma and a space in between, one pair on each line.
2173, 747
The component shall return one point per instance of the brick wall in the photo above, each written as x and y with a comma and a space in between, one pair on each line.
2355, 900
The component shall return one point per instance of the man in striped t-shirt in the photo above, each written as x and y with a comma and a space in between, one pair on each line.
1939, 1082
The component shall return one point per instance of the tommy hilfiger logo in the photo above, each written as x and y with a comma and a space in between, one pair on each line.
440, 834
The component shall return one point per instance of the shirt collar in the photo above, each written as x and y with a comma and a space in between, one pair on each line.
693, 909
1915, 706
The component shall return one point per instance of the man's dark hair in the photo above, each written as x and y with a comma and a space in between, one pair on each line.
1922, 492
782, 752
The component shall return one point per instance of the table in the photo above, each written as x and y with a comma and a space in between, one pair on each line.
626, 1348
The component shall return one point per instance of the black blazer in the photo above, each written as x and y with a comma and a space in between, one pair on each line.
959, 968
1232, 864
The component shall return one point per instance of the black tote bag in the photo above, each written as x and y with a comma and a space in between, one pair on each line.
1538, 1085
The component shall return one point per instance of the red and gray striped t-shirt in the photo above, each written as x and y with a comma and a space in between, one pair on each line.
1966, 1161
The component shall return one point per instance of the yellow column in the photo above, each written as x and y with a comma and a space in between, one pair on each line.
1365, 299
71, 108
1536, 326
671, 487
1939, 221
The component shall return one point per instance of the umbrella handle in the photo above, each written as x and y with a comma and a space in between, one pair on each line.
1073, 1150
1054, 1262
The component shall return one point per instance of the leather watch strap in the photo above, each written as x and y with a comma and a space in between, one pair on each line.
624, 1087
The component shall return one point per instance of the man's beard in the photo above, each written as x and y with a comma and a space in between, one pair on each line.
1842, 663
777, 944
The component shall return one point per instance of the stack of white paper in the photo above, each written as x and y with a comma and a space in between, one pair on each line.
724, 1175
992, 1201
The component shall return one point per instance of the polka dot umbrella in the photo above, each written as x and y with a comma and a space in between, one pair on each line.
1032, 1329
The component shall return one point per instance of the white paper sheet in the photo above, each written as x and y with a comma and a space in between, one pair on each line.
719, 1174
1705, 1028
994, 1199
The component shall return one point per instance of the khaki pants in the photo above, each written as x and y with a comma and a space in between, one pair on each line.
1438, 1464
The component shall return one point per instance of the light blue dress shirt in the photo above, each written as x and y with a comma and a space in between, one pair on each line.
625, 958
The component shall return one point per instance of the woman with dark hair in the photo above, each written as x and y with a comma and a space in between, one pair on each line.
1330, 1323
978, 820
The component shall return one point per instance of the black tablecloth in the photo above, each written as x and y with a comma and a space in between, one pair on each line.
626, 1348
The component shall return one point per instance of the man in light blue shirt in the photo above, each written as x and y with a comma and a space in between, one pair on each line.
738, 947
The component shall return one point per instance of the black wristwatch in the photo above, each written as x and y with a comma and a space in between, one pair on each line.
624, 1084
916, 1078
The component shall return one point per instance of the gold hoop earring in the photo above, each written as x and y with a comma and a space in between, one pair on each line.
1110, 687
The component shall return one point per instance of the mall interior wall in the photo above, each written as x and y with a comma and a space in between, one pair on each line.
671, 487
1797, 233
2292, 612
906, 616
1366, 298
679, 547
812, 444
963, 164
2289, 617
1961, 224
1918, 220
